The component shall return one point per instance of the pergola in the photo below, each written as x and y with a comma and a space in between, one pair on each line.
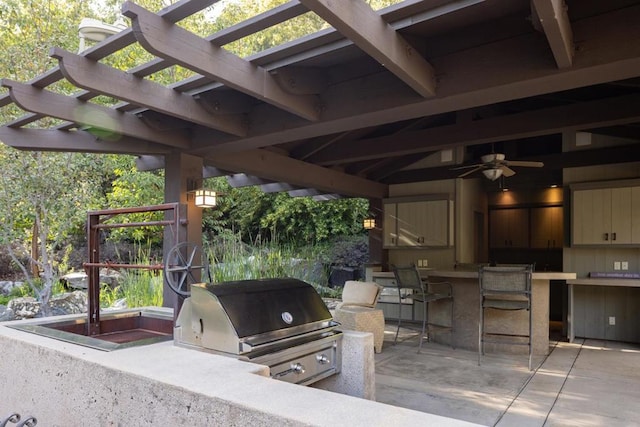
350, 110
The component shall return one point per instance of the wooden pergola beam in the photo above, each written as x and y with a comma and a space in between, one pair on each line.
96, 77
279, 168
75, 141
553, 17
606, 112
367, 30
47, 103
164, 39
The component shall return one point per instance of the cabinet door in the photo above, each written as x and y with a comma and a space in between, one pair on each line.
546, 227
635, 215
390, 227
591, 216
620, 233
423, 223
509, 228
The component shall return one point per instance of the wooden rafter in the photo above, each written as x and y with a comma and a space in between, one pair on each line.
359, 23
619, 110
276, 167
508, 69
96, 77
75, 141
553, 17
169, 41
47, 103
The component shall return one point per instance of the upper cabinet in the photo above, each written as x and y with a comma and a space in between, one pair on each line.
415, 222
606, 216
509, 228
546, 227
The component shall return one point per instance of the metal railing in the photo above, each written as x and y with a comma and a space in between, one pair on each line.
15, 418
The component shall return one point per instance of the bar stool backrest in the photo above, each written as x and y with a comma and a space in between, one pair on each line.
512, 279
408, 277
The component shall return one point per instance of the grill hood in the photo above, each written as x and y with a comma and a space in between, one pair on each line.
251, 316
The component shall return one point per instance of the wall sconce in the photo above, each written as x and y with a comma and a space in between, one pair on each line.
205, 198
369, 223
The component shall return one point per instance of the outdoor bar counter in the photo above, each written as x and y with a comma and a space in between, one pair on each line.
466, 295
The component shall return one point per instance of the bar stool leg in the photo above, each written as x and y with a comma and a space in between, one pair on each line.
395, 341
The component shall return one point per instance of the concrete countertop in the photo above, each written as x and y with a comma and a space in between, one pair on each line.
470, 274
603, 281
210, 382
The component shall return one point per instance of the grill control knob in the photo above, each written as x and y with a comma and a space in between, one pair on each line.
297, 368
322, 359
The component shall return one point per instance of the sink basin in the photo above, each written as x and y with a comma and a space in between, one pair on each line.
118, 330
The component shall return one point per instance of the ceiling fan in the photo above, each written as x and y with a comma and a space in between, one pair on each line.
495, 165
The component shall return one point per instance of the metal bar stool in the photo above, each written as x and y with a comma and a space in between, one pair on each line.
425, 292
505, 288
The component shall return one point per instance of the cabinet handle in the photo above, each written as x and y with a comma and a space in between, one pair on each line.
613, 236
606, 236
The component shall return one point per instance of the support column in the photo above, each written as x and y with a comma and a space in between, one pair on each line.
377, 255
180, 171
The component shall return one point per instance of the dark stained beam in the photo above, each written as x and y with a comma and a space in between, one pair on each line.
504, 70
63, 107
279, 168
173, 13
554, 20
362, 25
581, 116
96, 77
75, 141
277, 187
169, 41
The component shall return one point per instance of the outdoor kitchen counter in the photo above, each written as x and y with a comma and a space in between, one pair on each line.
466, 296
162, 384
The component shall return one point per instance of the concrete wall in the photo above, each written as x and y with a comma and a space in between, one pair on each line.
64, 384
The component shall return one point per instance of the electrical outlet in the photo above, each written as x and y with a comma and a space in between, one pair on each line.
616, 265
420, 263
612, 321
425, 263
624, 265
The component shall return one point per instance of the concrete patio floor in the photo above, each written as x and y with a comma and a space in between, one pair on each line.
586, 383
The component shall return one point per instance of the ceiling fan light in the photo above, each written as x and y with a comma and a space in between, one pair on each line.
492, 173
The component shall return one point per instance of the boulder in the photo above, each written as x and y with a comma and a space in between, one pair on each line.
6, 314
6, 287
25, 307
79, 280
69, 303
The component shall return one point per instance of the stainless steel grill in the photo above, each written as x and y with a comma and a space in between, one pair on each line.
281, 323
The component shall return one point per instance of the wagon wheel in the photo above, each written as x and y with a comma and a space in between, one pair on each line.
183, 260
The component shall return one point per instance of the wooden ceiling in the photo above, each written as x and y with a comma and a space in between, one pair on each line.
352, 109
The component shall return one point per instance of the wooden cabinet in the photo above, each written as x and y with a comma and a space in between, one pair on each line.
418, 223
509, 228
546, 227
605, 216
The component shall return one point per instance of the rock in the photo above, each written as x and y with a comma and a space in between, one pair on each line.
69, 303
79, 280
6, 287
6, 314
75, 280
25, 307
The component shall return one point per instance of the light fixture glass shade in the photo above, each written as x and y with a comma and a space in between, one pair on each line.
369, 223
493, 173
205, 198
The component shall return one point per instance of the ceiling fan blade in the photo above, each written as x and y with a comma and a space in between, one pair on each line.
506, 171
467, 167
525, 164
470, 172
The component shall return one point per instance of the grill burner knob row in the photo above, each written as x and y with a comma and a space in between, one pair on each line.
323, 359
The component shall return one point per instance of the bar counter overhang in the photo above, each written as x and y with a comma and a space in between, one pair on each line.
466, 294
